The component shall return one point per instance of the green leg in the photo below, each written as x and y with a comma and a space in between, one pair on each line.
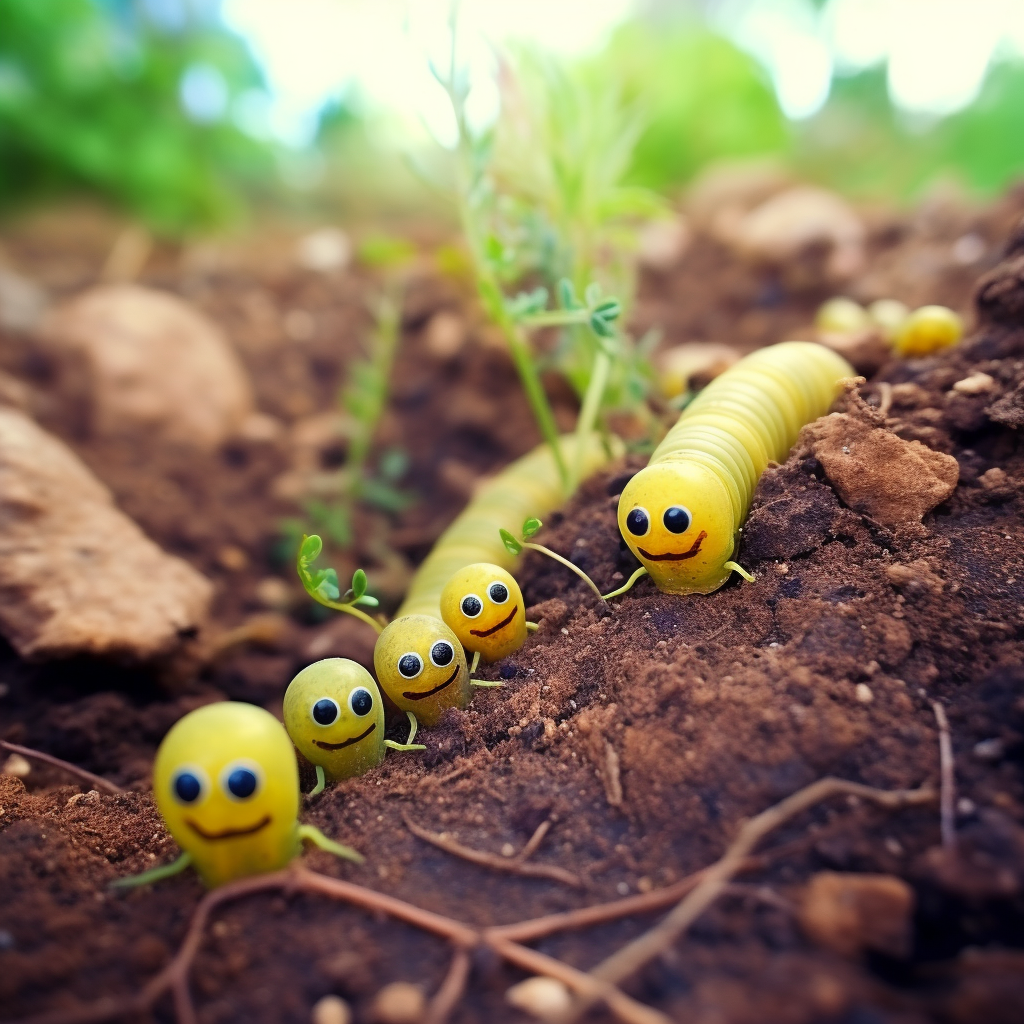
154, 874
313, 835
475, 664
485, 684
736, 567
532, 627
641, 572
408, 744
321, 781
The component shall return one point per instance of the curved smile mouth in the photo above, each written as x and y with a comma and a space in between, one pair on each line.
228, 833
412, 695
670, 557
345, 743
494, 629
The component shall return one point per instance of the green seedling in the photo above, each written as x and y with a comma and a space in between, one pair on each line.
322, 584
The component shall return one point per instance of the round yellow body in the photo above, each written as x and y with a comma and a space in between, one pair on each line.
680, 516
484, 607
422, 667
226, 782
334, 714
927, 330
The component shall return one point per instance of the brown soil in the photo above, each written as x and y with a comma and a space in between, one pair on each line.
714, 707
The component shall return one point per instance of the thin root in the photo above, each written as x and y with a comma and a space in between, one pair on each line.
947, 798
98, 782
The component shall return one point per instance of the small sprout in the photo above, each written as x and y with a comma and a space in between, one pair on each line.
322, 584
512, 546
531, 526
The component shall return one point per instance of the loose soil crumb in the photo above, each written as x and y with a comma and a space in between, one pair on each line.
645, 731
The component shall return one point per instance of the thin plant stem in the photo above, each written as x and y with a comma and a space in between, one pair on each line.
348, 609
628, 585
588, 413
565, 561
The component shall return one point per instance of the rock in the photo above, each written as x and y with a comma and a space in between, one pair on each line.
852, 913
22, 302
663, 243
18, 766
1009, 410
877, 473
154, 364
399, 1003
331, 1010
975, 384
539, 997
915, 579
800, 221
77, 576
325, 250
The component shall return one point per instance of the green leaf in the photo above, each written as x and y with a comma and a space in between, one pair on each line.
358, 584
601, 327
512, 546
310, 548
368, 600
567, 295
531, 526
592, 294
610, 309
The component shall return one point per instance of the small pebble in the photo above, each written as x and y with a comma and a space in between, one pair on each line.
399, 1003
965, 807
990, 750
17, 765
508, 850
232, 558
539, 997
622, 888
331, 1010
975, 384
863, 693
274, 592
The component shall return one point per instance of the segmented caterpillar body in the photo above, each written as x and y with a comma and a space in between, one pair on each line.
680, 516
530, 486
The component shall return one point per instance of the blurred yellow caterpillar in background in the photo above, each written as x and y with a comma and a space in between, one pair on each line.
680, 516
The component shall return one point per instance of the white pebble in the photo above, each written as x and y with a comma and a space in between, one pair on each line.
399, 1003
539, 997
863, 693
990, 750
16, 765
331, 1010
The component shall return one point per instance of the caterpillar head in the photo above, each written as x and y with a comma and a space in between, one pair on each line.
335, 716
422, 667
226, 783
484, 607
677, 518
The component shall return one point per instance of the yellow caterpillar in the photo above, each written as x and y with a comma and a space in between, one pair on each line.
530, 486
680, 516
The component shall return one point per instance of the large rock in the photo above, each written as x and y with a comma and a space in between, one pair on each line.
77, 575
154, 364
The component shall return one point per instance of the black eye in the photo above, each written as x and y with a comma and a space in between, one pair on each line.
472, 606
638, 522
241, 783
441, 653
325, 711
361, 702
187, 787
410, 665
498, 593
677, 519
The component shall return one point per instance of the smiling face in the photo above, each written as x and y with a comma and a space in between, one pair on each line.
335, 716
677, 519
227, 785
422, 667
484, 607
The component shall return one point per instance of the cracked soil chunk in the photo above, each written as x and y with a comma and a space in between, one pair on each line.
153, 363
875, 472
76, 574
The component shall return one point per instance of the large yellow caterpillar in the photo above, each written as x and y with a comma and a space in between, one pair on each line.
680, 516
419, 658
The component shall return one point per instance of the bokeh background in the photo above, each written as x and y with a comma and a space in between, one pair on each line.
194, 114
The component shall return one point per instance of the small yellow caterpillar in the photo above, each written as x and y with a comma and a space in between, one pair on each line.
680, 516
530, 486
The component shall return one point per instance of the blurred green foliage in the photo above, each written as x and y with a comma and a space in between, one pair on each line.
701, 97
90, 102
860, 144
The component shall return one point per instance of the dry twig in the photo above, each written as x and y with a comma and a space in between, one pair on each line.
533, 843
97, 781
493, 860
947, 798
636, 954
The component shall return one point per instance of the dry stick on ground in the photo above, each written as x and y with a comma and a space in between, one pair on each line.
636, 954
97, 781
533, 843
493, 860
947, 799
174, 977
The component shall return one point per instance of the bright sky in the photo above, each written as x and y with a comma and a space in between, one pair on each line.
937, 51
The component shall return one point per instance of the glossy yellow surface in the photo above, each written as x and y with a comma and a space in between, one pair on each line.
680, 516
334, 714
229, 834
927, 330
484, 607
422, 667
